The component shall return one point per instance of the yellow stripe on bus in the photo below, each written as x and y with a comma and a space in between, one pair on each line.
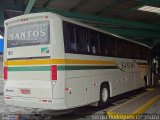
55, 61
27, 62
76, 61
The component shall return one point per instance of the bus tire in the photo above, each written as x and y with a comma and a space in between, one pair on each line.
104, 95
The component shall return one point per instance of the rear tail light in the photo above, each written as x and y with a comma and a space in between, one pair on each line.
54, 72
5, 72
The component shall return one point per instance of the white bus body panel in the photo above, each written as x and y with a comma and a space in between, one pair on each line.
85, 84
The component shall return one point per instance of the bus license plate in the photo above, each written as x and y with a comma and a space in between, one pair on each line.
25, 91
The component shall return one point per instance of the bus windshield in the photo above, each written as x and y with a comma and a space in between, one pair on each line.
28, 34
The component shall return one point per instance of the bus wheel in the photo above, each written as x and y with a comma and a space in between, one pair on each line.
104, 95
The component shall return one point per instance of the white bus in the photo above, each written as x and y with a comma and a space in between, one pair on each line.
56, 63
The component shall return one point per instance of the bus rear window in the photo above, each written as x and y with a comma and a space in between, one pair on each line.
36, 33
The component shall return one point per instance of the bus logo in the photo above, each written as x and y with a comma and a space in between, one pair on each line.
45, 50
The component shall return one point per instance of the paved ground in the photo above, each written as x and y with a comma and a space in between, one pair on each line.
152, 113
154, 109
82, 113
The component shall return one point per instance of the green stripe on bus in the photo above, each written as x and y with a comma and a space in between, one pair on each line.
59, 68
31, 68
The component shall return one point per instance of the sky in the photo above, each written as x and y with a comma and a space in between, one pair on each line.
1, 37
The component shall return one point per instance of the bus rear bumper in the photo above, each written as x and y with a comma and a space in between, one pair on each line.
54, 104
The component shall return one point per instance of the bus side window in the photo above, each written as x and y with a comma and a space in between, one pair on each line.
107, 45
81, 39
112, 46
128, 50
73, 46
103, 44
88, 48
137, 51
119, 47
69, 37
144, 53
93, 41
